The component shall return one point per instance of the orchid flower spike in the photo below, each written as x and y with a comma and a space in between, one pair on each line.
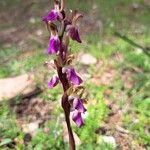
62, 28
54, 45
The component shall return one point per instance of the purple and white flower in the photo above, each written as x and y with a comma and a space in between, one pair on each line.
54, 44
53, 82
54, 14
77, 118
78, 105
67, 75
73, 77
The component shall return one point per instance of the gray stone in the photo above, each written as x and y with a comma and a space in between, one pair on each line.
87, 59
108, 139
20, 85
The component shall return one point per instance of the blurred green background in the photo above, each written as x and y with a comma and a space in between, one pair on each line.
114, 60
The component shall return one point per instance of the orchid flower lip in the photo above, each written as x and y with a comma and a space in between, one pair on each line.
73, 77
77, 118
78, 105
73, 32
53, 82
53, 15
54, 45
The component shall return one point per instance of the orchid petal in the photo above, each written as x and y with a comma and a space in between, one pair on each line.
77, 118
78, 105
53, 82
74, 33
54, 45
73, 77
52, 16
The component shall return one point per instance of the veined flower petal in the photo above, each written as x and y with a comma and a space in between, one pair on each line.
73, 77
54, 45
52, 16
77, 118
53, 82
78, 105
74, 33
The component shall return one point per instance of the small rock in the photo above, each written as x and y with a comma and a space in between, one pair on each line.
30, 128
108, 139
39, 32
32, 20
94, 6
135, 5
20, 85
138, 51
87, 59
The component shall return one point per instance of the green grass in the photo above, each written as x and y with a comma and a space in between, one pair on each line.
52, 140
15, 66
8, 127
137, 118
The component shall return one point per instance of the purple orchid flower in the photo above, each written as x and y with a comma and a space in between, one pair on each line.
78, 105
52, 16
73, 77
54, 44
53, 82
77, 118
73, 32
